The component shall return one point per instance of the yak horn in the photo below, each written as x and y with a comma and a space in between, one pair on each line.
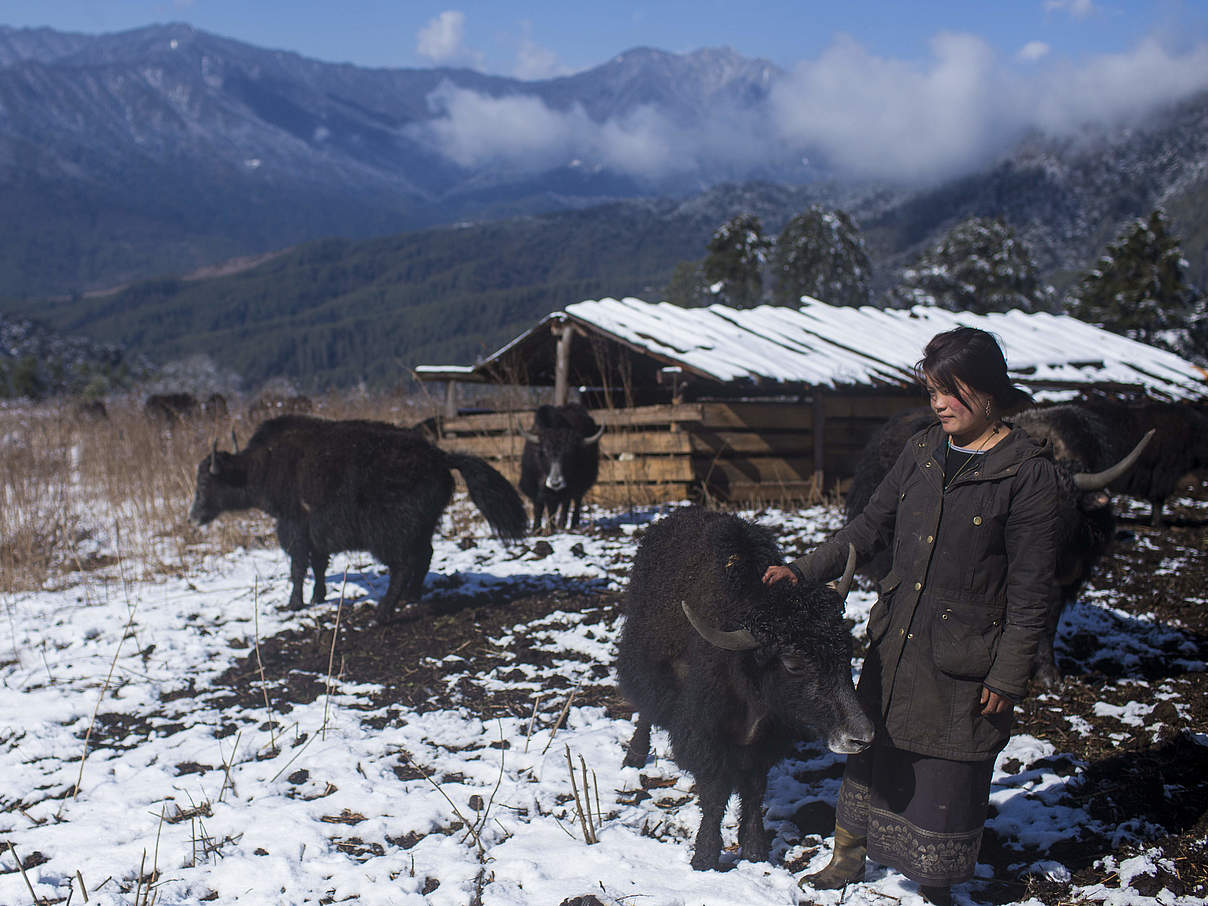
737, 640
530, 437
1094, 481
843, 586
214, 458
588, 441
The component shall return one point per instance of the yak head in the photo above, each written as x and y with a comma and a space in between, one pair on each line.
797, 664
221, 486
558, 442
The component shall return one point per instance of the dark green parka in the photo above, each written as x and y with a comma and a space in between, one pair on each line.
964, 604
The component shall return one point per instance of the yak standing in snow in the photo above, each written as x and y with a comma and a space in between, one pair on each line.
351, 485
736, 671
560, 462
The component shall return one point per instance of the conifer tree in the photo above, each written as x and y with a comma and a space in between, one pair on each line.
821, 253
1139, 289
735, 262
979, 266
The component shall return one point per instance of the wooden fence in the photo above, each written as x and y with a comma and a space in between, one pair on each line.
728, 451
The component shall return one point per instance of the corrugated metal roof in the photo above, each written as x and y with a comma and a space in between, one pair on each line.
834, 346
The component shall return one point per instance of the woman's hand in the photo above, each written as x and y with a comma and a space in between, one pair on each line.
992, 702
776, 573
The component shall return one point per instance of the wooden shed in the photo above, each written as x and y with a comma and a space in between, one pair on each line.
770, 403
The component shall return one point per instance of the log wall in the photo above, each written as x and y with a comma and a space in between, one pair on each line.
727, 451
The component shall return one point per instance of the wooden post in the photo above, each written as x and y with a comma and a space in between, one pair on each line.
565, 333
819, 424
451, 399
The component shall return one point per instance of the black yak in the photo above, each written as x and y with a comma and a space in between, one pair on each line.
735, 670
170, 408
351, 485
1088, 460
1165, 466
560, 462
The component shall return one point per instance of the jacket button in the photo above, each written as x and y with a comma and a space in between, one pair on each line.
943, 616
910, 635
927, 465
930, 539
977, 520
918, 586
901, 632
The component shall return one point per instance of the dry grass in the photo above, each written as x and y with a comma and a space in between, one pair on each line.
80, 494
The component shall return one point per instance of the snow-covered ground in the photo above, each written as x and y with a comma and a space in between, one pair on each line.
342, 799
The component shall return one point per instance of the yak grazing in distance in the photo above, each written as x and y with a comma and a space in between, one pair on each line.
736, 671
560, 462
1088, 460
351, 485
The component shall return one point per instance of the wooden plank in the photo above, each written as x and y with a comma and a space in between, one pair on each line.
647, 469
758, 416
882, 407
627, 495
767, 469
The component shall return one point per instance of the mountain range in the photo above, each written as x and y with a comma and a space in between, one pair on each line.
135, 158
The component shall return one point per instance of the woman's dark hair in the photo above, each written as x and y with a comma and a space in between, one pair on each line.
966, 355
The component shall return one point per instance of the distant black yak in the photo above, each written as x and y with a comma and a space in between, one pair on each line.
170, 408
560, 462
735, 670
351, 485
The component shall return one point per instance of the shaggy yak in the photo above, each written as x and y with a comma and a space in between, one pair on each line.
1087, 462
351, 485
560, 462
736, 671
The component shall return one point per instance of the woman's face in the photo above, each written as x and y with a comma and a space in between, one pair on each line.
962, 423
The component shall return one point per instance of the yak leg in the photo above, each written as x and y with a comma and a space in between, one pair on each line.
752, 836
318, 565
1155, 517
574, 516
406, 580
639, 745
563, 512
538, 512
714, 793
1044, 663
293, 541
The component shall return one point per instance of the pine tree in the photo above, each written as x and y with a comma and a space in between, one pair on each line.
979, 266
821, 253
1139, 289
735, 262
688, 287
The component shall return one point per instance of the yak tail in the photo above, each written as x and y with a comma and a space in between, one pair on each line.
494, 496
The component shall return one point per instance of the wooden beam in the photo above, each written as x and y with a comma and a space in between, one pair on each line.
565, 334
819, 428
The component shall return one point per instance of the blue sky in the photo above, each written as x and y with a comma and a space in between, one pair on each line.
547, 38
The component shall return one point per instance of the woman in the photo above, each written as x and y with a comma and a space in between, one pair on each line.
969, 506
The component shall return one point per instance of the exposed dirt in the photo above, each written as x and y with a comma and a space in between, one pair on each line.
1152, 778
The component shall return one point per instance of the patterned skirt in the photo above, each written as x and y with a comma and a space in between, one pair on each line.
922, 816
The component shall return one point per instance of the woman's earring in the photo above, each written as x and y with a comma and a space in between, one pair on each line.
987, 408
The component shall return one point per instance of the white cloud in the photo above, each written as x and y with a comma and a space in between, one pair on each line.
1033, 51
1078, 9
442, 40
849, 109
536, 62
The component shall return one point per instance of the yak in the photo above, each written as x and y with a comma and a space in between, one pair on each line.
1088, 461
736, 671
170, 408
1164, 467
351, 485
560, 462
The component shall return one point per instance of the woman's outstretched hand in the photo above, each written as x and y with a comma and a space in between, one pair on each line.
776, 573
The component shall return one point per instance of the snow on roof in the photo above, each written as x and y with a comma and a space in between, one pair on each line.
828, 345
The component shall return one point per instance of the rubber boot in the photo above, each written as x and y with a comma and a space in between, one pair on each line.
846, 865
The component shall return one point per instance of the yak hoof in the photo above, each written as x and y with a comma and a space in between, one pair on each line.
705, 862
634, 758
296, 603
